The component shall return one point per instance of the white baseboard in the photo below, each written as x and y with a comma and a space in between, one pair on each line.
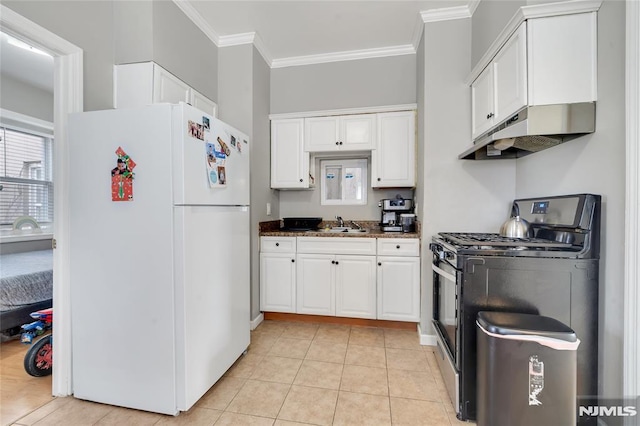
257, 321
426, 339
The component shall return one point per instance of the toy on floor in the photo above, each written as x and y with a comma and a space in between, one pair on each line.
38, 361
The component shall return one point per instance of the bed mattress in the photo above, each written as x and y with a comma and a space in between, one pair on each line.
25, 278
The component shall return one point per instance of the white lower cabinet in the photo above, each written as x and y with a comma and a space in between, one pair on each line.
336, 285
341, 277
336, 276
316, 284
398, 279
278, 274
355, 278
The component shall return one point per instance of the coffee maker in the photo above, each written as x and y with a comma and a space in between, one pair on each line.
392, 209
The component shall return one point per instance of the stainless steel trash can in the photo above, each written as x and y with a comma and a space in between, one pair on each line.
526, 370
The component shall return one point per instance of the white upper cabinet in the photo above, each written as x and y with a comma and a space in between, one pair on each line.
394, 159
148, 83
289, 161
203, 103
340, 133
562, 53
169, 88
547, 60
501, 89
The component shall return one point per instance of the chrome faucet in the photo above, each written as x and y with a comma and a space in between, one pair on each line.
340, 221
356, 225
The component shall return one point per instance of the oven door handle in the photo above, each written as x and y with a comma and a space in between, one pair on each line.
444, 273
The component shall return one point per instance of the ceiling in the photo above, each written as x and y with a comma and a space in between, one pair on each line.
290, 29
314, 31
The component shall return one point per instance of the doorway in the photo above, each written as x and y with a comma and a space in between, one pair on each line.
68, 90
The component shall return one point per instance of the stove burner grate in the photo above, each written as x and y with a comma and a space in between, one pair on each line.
488, 241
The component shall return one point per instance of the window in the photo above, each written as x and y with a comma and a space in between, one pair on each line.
344, 182
26, 176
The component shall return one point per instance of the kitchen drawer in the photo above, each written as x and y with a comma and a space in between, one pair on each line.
337, 245
398, 247
278, 244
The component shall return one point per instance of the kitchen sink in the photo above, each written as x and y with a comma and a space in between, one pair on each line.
341, 229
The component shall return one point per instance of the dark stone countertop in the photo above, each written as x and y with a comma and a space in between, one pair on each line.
273, 229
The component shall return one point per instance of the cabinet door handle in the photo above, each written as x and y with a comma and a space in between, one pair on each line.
340, 142
293, 260
337, 263
337, 143
379, 263
277, 244
379, 179
489, 115
333, 262
300, 180
398, 247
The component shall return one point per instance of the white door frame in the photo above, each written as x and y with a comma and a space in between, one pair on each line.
68, 92
631, 369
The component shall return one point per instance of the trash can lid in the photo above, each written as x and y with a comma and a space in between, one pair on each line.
515, 324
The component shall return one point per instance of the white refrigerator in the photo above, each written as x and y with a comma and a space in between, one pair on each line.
159, 245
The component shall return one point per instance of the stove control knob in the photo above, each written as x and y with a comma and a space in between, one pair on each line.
448, 255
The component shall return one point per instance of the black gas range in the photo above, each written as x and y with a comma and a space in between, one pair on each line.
554, 273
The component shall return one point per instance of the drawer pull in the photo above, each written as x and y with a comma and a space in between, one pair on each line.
277, 244
397, 246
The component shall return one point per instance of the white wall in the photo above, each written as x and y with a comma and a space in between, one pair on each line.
458, 195
596, 164
18, 96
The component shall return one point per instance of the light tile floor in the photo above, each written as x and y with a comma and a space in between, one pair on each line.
301, 374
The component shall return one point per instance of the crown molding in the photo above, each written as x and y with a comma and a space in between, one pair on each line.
530, 12
350, 55
435, 15
262, 49
445, 14
473, 5
236, 39
343, 111
247, 38
187, 8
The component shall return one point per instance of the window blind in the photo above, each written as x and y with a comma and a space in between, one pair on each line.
26, 176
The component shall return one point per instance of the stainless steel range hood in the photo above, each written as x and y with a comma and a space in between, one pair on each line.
533, 129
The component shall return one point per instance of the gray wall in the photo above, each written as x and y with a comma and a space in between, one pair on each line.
181, 48
88, 25
457, 195
347, 84
596, 164
261, 192
133, 35
18, 96
243, 98
488, 21
112, 32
